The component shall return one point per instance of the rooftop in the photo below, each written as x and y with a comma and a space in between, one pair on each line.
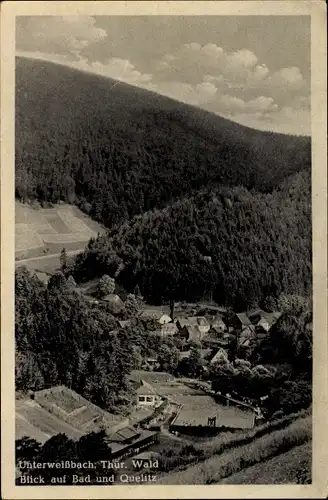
194, 321
193, 332
117, 447
123, 435
146, 389
243, 318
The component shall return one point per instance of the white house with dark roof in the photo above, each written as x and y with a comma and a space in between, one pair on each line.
147, 396
199, 322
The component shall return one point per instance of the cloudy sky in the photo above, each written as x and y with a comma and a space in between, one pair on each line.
252, 69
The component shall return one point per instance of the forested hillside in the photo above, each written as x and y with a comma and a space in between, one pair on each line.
236, 245
118, 151
62, 338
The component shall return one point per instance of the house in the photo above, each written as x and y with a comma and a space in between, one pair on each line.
190, 333
147, 396
155, 313
255, 316
165, 319
168, 330
263, 318
218, 326
212, 340
130, 442
221, 354
199, 322
236, 321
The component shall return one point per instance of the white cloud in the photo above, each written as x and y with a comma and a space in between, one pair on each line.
58, 34
287, 120
119, 69
197, 95
290, 77
259, 73
206, 91
241, 59
234, 105
208, 57
238, 71
230, 104
261, 104
46, 56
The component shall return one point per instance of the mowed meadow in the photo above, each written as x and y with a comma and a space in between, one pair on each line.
42, 233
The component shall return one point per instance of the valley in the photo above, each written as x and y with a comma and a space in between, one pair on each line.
163, 284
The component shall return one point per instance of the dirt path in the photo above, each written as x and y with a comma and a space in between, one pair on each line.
48, 256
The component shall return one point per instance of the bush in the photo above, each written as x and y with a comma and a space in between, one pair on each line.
106, 286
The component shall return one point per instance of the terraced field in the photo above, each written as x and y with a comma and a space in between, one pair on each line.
42, 233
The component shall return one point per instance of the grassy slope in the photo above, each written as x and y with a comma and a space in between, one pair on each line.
150, 149
218, 467
283, 469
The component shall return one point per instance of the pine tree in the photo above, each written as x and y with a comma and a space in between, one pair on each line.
63, 260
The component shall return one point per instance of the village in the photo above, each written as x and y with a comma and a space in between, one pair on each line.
168, 406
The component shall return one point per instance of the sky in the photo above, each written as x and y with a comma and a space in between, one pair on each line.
254, 70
